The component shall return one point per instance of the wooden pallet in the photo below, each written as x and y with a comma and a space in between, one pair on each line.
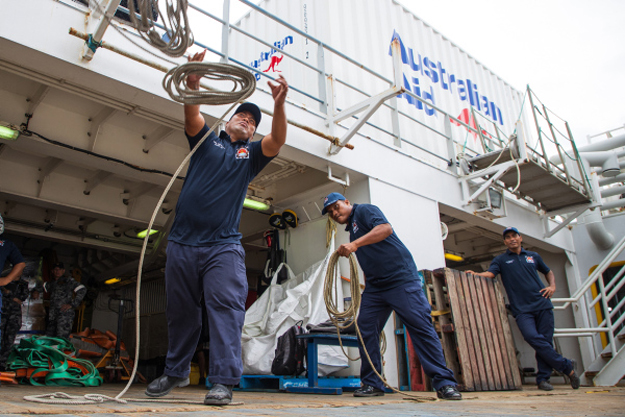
470, 316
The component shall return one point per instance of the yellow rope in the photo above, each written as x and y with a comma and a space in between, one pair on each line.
330, 231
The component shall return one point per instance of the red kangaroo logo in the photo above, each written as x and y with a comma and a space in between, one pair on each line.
466, 117
275, 60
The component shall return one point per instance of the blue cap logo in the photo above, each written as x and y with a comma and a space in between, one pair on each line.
510, 229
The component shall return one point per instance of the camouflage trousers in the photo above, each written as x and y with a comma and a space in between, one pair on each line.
10, 324
60, 323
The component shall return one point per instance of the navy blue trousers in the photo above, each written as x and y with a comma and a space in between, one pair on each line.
409, 302
537, 330
219, 272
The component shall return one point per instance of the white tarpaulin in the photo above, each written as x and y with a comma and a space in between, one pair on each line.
280, 307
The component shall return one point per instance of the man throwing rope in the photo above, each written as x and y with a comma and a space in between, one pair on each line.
204, 253
393, 284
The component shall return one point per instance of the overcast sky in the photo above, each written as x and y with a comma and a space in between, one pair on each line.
570, 52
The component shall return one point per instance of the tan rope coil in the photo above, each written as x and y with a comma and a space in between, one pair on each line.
343, 319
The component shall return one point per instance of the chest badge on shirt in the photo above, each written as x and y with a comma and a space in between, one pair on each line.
243, 153
529, 259
354, 227
510, 261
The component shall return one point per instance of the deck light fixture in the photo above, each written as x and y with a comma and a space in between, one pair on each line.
142, 234
8, 131
454, 258
255, 204
496, 198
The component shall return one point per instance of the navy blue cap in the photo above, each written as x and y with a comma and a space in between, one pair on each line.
252, 108
331, 199
58, 265
510, 229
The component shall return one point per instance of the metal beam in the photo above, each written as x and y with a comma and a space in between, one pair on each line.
37, 98
95, 180
96, 122
548, 233
102, 22
156, 136
45, 171
369, 106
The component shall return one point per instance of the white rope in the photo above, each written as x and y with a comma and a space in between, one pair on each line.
176, 25
244, 83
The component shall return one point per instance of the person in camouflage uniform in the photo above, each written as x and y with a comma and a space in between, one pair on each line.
13, 295
10, 253
66, 294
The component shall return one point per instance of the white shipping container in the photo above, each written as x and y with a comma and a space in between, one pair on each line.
432, 67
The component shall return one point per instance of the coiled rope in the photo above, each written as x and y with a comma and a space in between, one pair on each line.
185, 95
176, 25
174, 82
344, 319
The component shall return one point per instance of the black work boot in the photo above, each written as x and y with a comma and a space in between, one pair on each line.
164, 384
368, 391
220, 394
449, 392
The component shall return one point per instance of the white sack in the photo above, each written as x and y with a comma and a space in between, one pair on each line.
280, 307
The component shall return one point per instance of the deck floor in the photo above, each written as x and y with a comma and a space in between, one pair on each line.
563, 401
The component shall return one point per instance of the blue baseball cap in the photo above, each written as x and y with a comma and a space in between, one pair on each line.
510, 229
331, 199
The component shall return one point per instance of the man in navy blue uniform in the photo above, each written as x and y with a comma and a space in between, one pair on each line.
531, 305
392, 283
204, 252
9, 252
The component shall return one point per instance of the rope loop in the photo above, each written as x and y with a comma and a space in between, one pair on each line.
175, 83
178, 36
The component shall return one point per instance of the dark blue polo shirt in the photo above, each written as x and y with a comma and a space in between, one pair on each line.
208, 211
387, 264
519, 274
8, 251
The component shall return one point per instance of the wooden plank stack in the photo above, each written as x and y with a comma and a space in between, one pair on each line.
470, 315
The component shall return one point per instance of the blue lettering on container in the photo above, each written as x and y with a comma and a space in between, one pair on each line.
266, 56
437, 74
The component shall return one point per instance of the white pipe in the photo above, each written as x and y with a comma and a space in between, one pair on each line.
609, 192
613, 204
596, 229
605, 145
610, 180
607, 160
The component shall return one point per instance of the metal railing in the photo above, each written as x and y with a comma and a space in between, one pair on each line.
328, 82
604, 306
550, 139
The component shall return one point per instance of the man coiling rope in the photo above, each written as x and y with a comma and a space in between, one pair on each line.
393, 284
